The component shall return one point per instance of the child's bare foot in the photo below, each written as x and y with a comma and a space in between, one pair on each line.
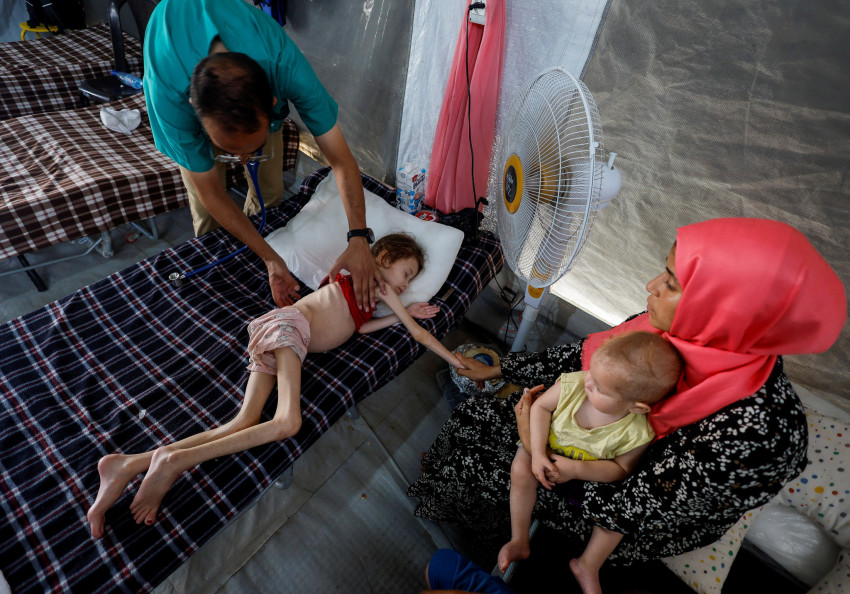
158, 480
514, 550
587, 577
114, 477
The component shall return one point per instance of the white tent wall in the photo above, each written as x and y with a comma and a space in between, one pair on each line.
359, 51
720, 108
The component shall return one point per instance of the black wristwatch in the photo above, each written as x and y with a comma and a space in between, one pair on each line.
367, 233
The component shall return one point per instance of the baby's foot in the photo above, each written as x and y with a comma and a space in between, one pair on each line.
158, 480
586, 577
514, 550
114, 477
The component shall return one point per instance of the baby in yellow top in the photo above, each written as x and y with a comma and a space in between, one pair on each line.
591, 426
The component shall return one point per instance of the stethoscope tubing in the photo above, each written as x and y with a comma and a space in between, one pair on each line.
252, 171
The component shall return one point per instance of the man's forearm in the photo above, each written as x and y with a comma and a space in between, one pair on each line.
338, 154
351, 191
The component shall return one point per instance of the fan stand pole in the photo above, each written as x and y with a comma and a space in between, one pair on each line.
533, 298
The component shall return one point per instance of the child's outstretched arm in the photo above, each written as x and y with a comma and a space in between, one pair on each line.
420, 334
421, 311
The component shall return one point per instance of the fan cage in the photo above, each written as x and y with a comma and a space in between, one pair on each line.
553, 129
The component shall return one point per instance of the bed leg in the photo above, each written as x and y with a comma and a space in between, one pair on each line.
285, 479
353, 413
153, 233
104, 244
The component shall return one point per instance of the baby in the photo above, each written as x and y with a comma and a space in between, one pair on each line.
595, 424
279, 342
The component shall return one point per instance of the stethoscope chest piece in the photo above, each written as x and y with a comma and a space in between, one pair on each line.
176, 279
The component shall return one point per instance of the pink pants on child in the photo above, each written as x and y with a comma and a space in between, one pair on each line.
279, 328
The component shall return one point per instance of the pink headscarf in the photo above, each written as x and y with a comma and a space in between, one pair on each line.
752, 289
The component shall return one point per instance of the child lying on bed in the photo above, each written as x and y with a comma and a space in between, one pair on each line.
279, 342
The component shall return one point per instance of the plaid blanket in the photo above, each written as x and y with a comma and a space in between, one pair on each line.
65, 175
132, 362
42, 75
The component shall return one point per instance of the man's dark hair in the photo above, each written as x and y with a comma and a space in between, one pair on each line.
232, 89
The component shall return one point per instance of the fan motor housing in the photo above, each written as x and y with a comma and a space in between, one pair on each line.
512, 185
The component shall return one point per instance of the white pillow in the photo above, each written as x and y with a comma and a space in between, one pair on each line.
313, 240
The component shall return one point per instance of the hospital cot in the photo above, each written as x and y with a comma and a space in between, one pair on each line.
64, 175
44, 75
134, 361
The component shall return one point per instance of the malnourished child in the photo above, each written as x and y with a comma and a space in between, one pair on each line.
279, 342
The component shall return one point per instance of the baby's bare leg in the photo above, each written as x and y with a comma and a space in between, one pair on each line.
523, 496
586, 568
168, 462
117, 470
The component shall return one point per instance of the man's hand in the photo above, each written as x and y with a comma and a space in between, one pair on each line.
284, 287
357, 259
422, 311
523, 414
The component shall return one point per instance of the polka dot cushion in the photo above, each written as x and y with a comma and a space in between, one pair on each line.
705, 569
822, 492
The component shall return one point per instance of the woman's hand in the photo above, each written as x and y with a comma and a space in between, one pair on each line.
523, 414
459, 362
423, 311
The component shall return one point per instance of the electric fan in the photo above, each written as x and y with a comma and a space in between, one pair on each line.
551, 179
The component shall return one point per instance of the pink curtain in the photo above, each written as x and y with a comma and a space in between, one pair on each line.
449, 185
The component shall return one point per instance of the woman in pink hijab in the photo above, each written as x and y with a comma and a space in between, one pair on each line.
734, 296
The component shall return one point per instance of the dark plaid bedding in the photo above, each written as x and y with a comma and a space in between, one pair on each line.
130, 363
65, 175
42, 75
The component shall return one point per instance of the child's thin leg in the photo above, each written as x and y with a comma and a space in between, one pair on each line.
586, 568
523, 496
117, 470
168, 463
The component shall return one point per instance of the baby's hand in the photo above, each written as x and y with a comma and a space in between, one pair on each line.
563, 469
543, 469
422, 311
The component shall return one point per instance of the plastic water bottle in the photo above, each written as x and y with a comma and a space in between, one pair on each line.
131, 80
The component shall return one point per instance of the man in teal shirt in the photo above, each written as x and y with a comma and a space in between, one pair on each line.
218, 75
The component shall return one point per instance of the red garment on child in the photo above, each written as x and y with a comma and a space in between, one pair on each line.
359, 316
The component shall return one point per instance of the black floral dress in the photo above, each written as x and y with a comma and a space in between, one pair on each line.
688, 489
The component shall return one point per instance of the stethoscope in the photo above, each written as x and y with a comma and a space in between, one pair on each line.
177, 278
